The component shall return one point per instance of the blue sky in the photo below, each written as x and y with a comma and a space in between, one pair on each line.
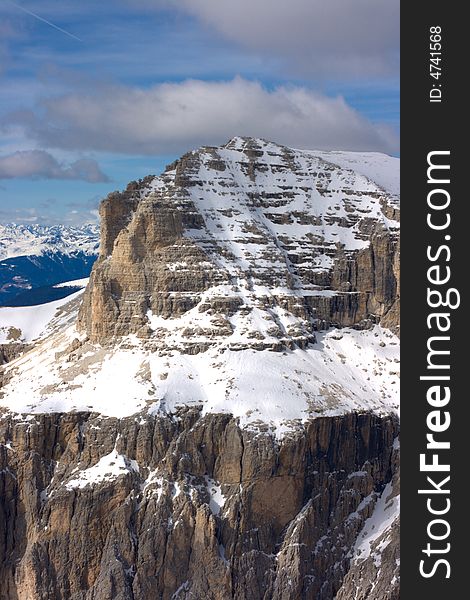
103, 93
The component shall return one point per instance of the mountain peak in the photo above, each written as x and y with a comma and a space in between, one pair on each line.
247, 245
241, 261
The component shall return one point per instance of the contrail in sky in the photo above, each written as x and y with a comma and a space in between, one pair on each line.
28, 12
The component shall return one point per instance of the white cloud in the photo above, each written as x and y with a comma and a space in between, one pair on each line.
18, 215
351, 37
39, 164
173, 117
50, 215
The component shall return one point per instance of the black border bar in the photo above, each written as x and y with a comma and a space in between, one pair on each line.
434, 120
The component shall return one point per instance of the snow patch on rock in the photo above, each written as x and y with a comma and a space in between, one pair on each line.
108, 468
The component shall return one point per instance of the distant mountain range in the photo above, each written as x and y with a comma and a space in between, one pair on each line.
34, 258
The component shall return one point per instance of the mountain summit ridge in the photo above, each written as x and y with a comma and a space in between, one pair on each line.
249, 226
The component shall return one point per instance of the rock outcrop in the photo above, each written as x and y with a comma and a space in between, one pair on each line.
376, 574
10, 351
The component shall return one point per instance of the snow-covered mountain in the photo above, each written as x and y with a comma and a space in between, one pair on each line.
223, 413
33, 258
226, 266
37, 240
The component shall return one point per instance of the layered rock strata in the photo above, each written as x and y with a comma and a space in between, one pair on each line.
249, 226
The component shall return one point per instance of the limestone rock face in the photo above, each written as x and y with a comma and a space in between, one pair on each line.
185, 507
375, 573
249, 226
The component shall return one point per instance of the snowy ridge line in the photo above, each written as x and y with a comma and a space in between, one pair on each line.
380, 168
213, 200
36, 240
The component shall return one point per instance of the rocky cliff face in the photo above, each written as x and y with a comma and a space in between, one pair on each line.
247, 225
10, 351
220, 421
185, 507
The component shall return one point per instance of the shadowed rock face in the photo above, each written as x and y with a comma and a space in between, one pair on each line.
254, 223
185, 507
10, 351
